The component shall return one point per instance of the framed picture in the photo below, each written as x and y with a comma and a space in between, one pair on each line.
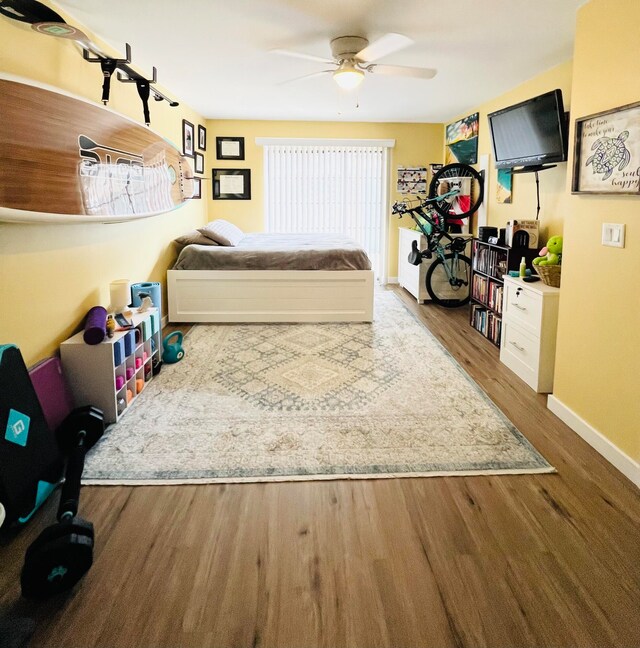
504, 188
202, 138
607, 152
197, 192
462, 141
199, 162
187, 138
412, 180
231, 184
230, 148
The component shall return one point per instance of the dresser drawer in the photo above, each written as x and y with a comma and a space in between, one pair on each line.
520, 351
523, 306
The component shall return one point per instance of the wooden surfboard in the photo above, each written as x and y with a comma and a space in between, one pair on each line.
66, 159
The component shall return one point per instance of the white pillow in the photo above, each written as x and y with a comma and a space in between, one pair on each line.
222, 232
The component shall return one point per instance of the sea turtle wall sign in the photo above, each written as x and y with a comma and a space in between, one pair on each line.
66, 159
607, 152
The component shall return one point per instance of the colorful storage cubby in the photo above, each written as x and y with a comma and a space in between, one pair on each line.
112, 374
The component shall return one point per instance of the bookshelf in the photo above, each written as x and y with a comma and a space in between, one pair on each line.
490, 262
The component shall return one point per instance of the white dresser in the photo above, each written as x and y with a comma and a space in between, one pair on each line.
529, 323
412, 277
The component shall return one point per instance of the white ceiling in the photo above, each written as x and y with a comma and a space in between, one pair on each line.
214, 54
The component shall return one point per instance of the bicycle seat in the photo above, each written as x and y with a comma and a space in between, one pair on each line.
415, 256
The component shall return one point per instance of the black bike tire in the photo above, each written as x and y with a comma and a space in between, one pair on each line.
447, 303
450, 171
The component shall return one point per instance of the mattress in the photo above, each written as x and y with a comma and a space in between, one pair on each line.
278, 252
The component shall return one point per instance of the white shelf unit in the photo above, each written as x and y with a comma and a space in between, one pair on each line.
411, 277
529, 323
102, 374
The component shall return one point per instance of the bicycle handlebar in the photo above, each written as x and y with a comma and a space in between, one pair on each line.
402, 208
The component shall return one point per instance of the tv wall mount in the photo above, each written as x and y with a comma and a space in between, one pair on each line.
46, 21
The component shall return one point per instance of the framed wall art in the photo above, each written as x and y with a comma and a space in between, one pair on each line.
505, 184
202, 138
412, 180
462, 141
607, 152
230, 148
187, 138
197, 192
231, 184
199, 162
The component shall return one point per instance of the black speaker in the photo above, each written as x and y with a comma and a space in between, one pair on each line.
485, 232
520, 239
502, 238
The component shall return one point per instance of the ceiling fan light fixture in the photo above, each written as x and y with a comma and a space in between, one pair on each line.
347, 76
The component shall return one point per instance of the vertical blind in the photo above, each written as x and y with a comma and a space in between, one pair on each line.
328, 189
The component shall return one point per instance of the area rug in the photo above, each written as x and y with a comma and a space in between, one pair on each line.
279, 402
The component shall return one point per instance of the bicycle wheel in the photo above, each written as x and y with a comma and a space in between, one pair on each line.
463, 177
448, 281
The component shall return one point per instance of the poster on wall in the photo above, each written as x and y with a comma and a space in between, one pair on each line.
412, 180
462, 141
607, 152
505, 179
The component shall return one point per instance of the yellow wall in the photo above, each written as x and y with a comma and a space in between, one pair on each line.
416, 145
598, 353
50, 275
553, 197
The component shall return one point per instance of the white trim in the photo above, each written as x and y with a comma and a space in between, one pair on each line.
392, 280
619, 459
384, 234
304, 141
320, 477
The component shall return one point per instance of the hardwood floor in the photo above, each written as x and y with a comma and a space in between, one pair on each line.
528, 560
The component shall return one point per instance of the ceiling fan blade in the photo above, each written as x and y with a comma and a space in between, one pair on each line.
385, 45
402, 70
306, 76
309, 57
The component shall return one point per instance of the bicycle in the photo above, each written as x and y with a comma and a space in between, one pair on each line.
455, 192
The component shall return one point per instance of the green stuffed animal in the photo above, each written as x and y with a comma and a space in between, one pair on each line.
552, 252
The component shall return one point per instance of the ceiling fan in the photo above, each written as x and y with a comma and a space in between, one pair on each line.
354, 56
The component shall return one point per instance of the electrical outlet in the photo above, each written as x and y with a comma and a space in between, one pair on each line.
613, 234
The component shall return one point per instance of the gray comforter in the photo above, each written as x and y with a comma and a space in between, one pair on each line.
278, 252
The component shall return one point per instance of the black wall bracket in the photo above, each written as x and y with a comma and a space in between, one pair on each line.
108, 66
127, 74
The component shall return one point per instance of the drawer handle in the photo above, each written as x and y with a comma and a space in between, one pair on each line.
517, 346
522, 308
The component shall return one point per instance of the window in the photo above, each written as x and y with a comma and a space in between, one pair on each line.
332, 188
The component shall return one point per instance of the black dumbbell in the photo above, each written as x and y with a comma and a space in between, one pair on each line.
63, 553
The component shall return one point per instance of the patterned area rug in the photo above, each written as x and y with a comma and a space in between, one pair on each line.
255, 402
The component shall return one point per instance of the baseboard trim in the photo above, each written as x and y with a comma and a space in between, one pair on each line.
619, 459
392, 280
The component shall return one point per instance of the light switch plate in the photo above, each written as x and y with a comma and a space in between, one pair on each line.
613, 234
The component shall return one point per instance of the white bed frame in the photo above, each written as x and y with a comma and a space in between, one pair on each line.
270, 295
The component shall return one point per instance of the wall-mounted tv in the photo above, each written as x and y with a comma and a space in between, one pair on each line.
530, 134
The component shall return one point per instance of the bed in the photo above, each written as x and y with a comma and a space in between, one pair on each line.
272, 278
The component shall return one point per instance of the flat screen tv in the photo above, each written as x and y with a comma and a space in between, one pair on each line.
530, 134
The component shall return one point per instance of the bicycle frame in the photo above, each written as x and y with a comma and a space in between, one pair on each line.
437, 233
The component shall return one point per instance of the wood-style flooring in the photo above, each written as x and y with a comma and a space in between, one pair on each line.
504, 561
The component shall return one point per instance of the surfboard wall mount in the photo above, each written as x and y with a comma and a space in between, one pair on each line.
46, 21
